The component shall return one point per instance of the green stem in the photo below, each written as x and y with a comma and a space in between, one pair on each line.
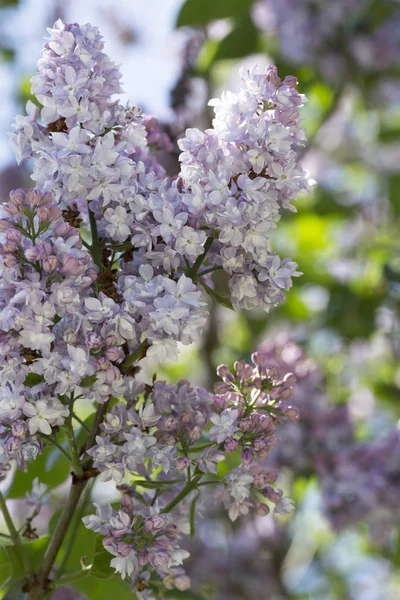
201, 447
210, 270
200, 259
24, 560
189, 487
80, 422
135, 355
74, 530
74, 452
71, 578
56, 444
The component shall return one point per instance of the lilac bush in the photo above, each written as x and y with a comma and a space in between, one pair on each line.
108, 260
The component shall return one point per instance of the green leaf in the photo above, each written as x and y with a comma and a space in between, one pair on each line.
216, 296
104, 589
9, 560
192, 515
101, 561
88, 381
241, 41
33, 379
200, 12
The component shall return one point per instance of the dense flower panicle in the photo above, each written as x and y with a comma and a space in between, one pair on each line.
88, 149
107, 260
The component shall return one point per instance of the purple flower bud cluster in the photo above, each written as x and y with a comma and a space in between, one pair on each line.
140, 539
168, 439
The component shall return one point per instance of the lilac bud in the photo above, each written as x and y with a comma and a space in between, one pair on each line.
220, 387
245, 425
168, 439
114, 354
33, 198
50, 264
259, 444
243, 370
31, 254
111, 340
262, 509
182, 583
258, 359
195, 434
13, 444
182, 463
272, 494
5, 225
224, 372
60, 229
220, 403
292, 413
290, 81
123, 548
157, 523
246, 456
272, 442
18, 428
102, 364
127, 504
71, 265
185, 418
284, 393
17, 197
231, 444
14, 236
290, 378
10, 260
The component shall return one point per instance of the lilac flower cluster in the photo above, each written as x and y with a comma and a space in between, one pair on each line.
239, 174
140, 538
93, 153
107, 260
45, 276
165, 443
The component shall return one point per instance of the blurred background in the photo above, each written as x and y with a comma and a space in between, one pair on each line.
339, 328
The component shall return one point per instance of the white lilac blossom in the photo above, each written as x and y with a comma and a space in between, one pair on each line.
107, 259
233, 183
